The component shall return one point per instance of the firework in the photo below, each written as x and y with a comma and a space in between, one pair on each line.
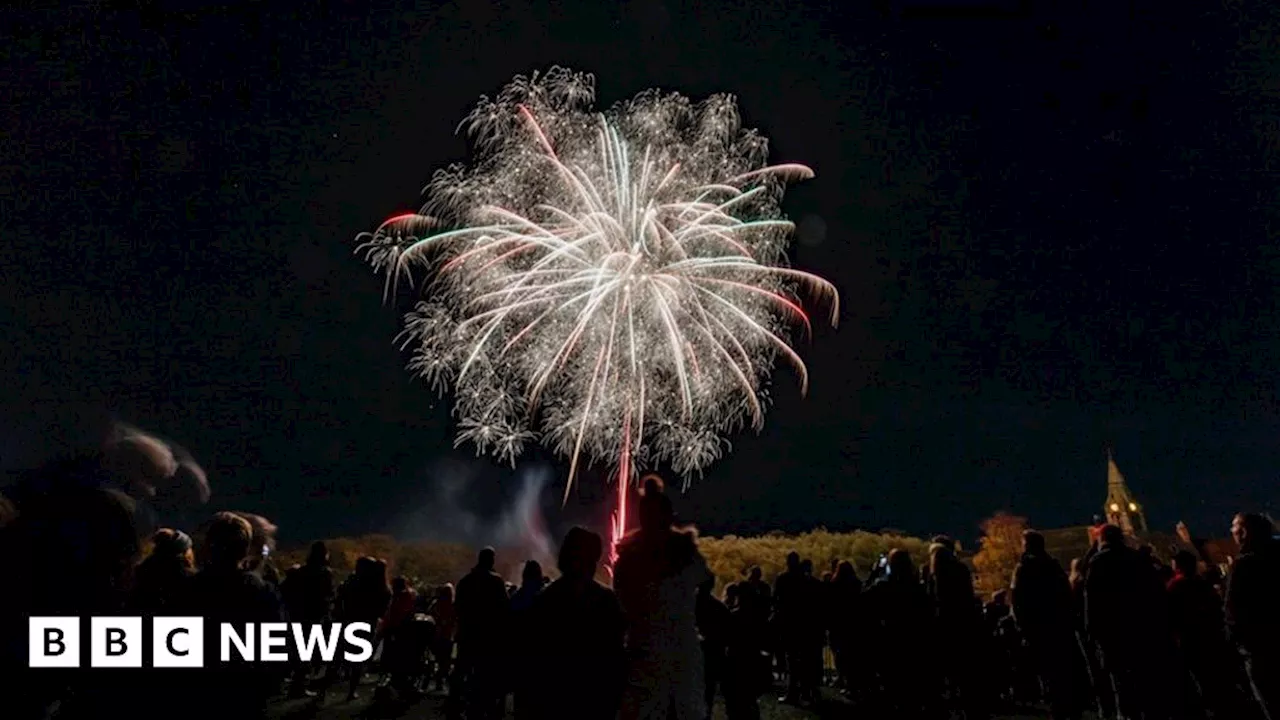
613, 285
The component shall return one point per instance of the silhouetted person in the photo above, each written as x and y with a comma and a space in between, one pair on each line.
162, 585
578, 667
755, 597
264, 543
483, 607
309, 589
747, 672
1196, 612
1252, 604
364, 598
400, 610
813, 634
443, 612
74, 556
71, 538
523, 632
224, 592
308, 593
844, 613
958, 627
1124, 612
714, 626
1024, 678
793, 612
1003, 648
162, 580
402, 651
902, 627
530, 586
1042, 607
757, 594
72, 523
1097, 691
823, 632
656, 577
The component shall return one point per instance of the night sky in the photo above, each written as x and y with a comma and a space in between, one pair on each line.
1052, 230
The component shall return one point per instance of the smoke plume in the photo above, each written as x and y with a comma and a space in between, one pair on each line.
517, 526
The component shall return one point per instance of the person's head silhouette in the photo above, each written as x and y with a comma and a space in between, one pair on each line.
656, 511
1112, 535
580, 554
1032, 542
319, 554
1251, 530
900, 564
229, 538
532, 575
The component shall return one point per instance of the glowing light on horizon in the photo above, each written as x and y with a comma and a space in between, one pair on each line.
613, 285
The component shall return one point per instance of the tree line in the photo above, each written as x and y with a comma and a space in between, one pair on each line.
729, 557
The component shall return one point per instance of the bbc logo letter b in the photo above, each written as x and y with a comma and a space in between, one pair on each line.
177, 642
54, 642
115, 642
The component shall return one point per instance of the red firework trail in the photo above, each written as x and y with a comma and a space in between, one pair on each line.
624, 475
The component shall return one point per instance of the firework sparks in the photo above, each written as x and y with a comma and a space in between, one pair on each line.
613, 284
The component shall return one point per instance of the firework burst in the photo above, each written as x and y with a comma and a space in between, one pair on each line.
613, 284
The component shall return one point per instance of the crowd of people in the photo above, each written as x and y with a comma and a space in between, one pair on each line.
1120, 634
1124, 635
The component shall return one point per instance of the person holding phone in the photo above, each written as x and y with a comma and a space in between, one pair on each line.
264, 539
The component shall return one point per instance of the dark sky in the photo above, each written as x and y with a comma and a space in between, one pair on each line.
1051, 229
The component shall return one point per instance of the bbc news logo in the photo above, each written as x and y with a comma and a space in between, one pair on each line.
178, 642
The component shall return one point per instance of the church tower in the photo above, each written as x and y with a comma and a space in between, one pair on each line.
1122, 509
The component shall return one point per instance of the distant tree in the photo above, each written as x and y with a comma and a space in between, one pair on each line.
434, 563
344, 552
423, 562
731, 557
998, 553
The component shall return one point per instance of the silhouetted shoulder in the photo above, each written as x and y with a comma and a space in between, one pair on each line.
1247, 565
1252, 560
684, 546
689, 537
602, 594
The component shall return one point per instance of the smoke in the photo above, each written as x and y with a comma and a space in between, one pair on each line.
522, 525
512, 523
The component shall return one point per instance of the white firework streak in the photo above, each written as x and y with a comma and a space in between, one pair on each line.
613, 285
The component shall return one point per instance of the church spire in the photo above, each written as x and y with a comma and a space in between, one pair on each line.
1122, 509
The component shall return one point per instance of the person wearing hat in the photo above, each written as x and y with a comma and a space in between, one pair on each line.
162, 578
